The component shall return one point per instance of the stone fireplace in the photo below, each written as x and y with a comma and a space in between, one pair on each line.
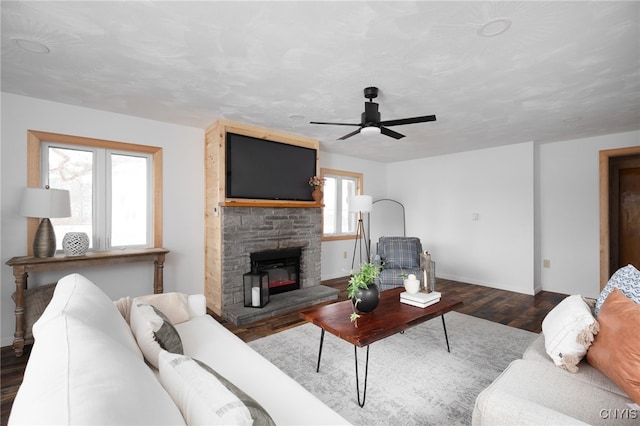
247, 230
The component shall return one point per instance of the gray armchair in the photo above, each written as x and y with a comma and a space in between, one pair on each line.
399, 255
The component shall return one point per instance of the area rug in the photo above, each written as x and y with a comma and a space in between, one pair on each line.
413, 380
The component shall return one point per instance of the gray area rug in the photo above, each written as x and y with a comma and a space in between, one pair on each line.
413, 380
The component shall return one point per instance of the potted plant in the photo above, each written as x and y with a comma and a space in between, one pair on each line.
363, 291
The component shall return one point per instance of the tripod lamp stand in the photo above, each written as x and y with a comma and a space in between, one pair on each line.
360, 204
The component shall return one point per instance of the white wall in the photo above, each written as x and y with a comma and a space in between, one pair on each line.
550, 190
569, 211
183, 204
441, 194
334, 262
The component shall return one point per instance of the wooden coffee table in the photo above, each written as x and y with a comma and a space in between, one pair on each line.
390, 317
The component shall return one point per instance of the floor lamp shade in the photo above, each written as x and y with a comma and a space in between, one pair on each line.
360, 203
45, 203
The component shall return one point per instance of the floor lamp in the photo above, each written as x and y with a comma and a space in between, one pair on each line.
360, 204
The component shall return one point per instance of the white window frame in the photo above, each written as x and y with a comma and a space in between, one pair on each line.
341, 174
36, 177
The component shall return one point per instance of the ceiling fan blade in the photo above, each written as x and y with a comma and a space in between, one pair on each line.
389, 132
411, 120
334, 124
349, 135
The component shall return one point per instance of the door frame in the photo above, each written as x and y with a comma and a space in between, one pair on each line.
605, 248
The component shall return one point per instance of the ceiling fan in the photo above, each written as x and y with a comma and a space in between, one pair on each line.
370, 122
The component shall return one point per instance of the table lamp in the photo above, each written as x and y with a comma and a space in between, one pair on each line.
45, 203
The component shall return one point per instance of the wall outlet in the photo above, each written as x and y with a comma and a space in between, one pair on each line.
344, 255
546, 263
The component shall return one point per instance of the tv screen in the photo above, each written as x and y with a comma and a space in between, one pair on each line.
262, 169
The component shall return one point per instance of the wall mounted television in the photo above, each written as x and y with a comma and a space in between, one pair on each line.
268, 170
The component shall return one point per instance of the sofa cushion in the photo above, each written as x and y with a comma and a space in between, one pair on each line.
535, 393
536, 352
78, 374
239, 363
616, 349
204, 396
77, 297
153, 331
627, 280
569, 329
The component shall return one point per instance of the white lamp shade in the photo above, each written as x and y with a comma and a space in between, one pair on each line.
45, 203
370, 130
360, 203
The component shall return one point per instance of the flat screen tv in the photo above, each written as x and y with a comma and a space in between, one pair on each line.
267, 170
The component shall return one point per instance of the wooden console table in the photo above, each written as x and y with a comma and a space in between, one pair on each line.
24, 264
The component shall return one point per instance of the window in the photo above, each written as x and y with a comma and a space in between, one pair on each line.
338, 222
115, 188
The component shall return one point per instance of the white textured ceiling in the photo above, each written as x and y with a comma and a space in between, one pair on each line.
563, 70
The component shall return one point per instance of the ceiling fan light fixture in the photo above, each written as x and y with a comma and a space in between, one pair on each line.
370, 131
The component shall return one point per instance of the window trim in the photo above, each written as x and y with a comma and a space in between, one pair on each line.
359, 179
35, 139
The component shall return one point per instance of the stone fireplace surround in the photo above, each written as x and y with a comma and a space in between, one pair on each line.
252, 229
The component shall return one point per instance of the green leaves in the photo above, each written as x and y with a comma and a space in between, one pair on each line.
361, 280
367, 275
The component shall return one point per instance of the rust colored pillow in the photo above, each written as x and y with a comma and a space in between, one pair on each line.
616, 348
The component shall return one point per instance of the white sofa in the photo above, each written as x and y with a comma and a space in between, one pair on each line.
555, 383
86, 367
534, 391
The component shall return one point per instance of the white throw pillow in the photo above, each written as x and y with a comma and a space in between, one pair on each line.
206, 398
153, 332
568, 332
173, 305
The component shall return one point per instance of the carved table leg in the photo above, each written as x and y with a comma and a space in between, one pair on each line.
21, 284
158, 286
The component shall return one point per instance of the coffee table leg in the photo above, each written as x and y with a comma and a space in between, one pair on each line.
320, 351
366, 371
445, 333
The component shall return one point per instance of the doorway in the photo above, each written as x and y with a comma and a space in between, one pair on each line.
619, 210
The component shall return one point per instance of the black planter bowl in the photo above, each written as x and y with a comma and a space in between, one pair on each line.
369, 299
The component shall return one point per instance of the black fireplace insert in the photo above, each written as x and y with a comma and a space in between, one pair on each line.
282, 267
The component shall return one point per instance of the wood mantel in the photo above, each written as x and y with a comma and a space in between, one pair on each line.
23, 265
263, 203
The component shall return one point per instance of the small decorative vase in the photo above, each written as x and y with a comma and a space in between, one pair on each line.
412, 285
75, 243
317, 194
369, 299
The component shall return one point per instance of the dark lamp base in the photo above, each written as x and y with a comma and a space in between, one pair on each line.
44, 243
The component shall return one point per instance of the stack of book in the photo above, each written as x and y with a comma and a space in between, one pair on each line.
420, 299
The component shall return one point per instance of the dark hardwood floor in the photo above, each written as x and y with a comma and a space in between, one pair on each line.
506, 307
